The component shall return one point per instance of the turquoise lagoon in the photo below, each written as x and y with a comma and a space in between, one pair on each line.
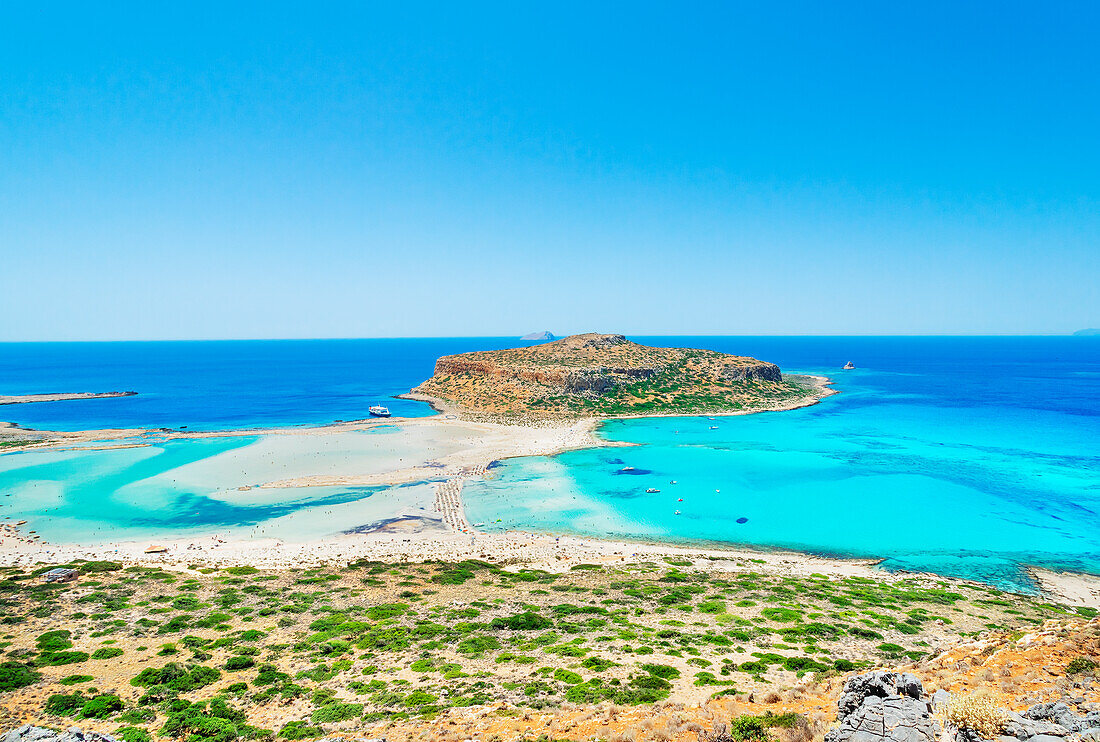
963, 456
972, 470
204, 486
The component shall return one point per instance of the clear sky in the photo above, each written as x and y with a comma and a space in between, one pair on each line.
190, 170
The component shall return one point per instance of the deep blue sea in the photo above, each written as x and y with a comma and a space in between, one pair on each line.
962, 456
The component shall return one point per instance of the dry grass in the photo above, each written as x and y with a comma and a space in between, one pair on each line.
982, 712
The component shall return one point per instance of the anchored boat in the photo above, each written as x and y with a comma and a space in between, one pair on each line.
379, 411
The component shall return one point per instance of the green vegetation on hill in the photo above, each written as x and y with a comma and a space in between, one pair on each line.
210, 653
607, 375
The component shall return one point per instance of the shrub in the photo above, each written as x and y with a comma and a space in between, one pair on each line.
240, 571
749, 729
176, 677
56, 659
101, 707
239, 662
106, 653
337, 711
134, 734
980, 712
295, 730
566, 676
1079, 665
662, 671
96, 567
527, 621
386, 610
596, 664
16, 675
418, 698
477, 644
65, 704
54, 641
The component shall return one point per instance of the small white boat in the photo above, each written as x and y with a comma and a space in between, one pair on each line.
627, 468
714, 427
651, 490
379, 411
677, 512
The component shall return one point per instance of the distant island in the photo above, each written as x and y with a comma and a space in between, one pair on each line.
544, 335
598, 375
1088, 332
59, 397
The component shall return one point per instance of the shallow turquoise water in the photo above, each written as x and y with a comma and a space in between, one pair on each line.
190, 488
932, 476
961, 456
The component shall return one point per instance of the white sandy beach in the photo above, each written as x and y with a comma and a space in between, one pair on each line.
421, 522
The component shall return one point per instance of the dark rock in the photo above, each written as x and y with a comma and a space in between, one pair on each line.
879, 684
879, 706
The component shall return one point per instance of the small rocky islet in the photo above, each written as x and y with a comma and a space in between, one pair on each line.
606, 375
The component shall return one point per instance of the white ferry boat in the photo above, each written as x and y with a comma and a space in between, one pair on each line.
379, 411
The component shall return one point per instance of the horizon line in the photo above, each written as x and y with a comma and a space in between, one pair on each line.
556, 336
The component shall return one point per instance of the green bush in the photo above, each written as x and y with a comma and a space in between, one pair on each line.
1079, 665
106, 653
295, 730
749, 729
56, 659
101, 707
478, 644
134, 734
662, 671
65, 704
336, 711
567, 677
54, 641
782, 615
176, 677
89, 568
16, 675
241, 571
239, 662
526, 621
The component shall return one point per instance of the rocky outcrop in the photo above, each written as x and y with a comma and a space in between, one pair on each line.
759, 371
880, 706
544, 335
1050, 720
892, 706
28, 733
606, 374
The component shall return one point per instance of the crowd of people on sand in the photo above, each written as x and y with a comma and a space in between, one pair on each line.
448, 500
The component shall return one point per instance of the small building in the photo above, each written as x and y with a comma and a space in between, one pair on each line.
60, 574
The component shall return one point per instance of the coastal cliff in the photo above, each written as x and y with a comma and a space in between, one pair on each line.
608, 375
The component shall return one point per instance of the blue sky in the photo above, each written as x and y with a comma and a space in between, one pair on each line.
357, 170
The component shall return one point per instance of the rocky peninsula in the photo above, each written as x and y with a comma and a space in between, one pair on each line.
606, 375
59, 397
